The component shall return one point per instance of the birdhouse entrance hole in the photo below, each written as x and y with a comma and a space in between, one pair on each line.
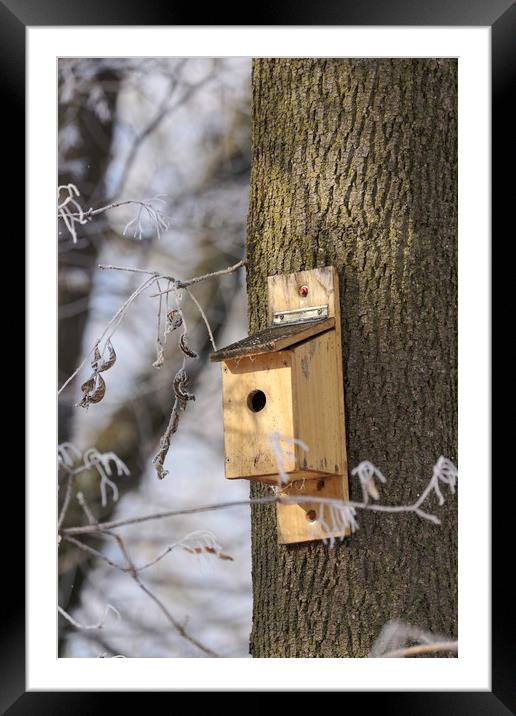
256, 400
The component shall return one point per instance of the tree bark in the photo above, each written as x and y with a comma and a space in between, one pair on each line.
355, 165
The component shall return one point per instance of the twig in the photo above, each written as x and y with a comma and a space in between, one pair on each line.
198, 279
163, 111
113, 323
66, 501
133, 571
395, 636
152, 277
101, 526
94, 460
204, 318
98, 625
422, 649
127, 268
442, 471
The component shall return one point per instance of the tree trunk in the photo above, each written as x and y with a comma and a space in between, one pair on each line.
355, 165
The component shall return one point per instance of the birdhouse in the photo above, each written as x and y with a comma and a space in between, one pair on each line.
283, 401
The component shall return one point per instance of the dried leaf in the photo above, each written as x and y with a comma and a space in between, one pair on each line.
174, 320
181, 383
96, 357
108, 362
88, 385
93, 390
186, 349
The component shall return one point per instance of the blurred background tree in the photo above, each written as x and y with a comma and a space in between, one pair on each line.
174, 132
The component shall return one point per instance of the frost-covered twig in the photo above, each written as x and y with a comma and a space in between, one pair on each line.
277, 445
98, 625
70, 218
152, 277
204, 318
93, 389
197, 279
398, 640
448, 646
341, 517
103, 463
109, 329
146, 213
204, 541
343, 505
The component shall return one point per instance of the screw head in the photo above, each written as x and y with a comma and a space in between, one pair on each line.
303, 291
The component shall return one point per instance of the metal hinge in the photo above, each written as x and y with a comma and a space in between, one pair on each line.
300, 315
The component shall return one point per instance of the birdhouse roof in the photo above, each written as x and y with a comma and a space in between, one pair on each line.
274, 338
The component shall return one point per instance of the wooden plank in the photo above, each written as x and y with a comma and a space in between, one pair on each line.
322, 289
294, 521
301, 290
273, 338
318, 410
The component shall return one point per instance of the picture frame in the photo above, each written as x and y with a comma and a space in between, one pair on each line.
15, 18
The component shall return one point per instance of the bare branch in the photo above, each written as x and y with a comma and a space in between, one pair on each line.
395, 637
133, 571
153, 276
66, 501
111, 327
98, 625
198, 279
164, 110
102, 463
452, 646
346, 505
204, 318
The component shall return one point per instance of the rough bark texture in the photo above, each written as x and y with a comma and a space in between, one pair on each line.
355, 165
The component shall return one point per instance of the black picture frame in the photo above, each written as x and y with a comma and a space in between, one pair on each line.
500, 16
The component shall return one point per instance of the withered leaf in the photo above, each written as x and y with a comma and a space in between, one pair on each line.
186, 349
174, 319
93, 390
181, 382
96, 357
99, 390
108, 362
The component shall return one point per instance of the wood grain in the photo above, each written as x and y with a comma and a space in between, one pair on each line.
318, 400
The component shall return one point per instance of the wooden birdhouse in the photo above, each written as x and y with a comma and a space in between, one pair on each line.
284, 405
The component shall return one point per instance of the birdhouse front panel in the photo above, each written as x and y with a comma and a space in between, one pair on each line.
258, 415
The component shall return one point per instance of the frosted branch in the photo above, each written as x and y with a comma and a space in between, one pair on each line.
398, 640
98, 625
347, 507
